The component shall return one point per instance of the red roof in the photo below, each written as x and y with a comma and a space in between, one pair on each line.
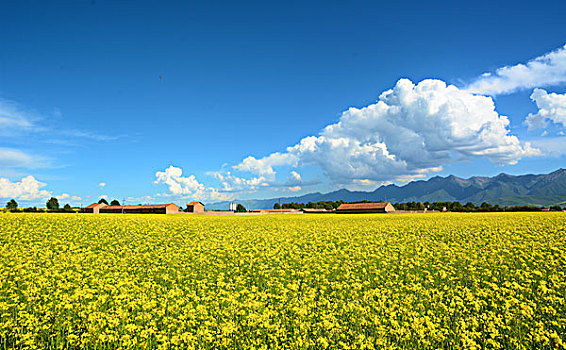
94, 205
148, 206
359, 206
277, 210
194, 203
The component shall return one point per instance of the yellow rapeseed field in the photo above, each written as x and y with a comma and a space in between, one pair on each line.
449, 281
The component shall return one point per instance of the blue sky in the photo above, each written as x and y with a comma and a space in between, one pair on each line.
169, 102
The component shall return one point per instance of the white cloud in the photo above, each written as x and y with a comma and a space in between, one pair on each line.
26, 189
294, 188
550, 107
551, 146
232, 183
14, 119
264, 166
546, 70
296, 176
64, 196
412, 130
104, 196
13, 158
178, 184
187, 186
102, 184
296, 180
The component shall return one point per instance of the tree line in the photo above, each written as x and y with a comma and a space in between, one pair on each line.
52, 206
468, 207
328, 205
420, 206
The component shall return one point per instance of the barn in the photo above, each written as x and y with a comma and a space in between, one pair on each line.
95, 207
316, 211
355, 208
170, 208
277, 211
195, 207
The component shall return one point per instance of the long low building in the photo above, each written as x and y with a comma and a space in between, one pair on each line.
277, 211
355, 208
101, 208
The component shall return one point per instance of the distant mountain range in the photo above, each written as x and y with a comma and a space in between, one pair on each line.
503, 189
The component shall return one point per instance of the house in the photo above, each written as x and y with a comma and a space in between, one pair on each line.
316, 211
195, 207
170, 208
365, 208
277, 211
95, 207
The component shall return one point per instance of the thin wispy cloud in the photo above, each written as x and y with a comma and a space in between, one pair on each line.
18, 123
15, 158
16, 119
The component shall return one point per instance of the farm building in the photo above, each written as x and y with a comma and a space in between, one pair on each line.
95, 207
195, 207
365, 208
170, 208
277, 211
316, 211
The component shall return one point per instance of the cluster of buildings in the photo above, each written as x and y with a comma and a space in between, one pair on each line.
198, 207
352, 208
171, 208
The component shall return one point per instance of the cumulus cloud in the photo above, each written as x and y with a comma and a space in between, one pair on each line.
546, 70
178, 184
412, 130
264, 166
64, 196
26, 189
294, 179
232, 183
551, 107
102, 184
187, 186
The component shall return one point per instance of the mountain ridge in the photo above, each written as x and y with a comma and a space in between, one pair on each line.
503, 189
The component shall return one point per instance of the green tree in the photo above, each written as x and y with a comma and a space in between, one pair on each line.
457, 206
12, 205
470, 206
67, 207
115, 202
240, 208
52, 203
102, 200
276, 206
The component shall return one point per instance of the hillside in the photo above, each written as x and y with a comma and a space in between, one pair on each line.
503, 189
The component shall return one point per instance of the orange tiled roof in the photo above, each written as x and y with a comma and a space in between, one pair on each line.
148, 206
355, 206
94, 205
